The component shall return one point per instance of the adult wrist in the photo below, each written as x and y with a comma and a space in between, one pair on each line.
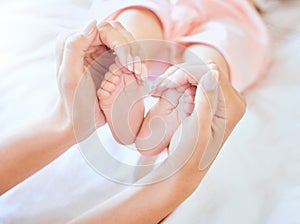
62, 125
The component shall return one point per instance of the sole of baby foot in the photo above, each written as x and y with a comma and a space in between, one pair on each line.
163, 119
121, 100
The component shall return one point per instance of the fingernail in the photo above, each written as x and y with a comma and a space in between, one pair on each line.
209, 81
144, 71
144, 74
118, 63
89, 28
130, 63
157, 82
141, 82
154, 93
212, 65
151, 92
137, 65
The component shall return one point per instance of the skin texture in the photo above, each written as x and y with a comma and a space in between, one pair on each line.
125, 96
174, 190
121, 95
49, 137
155, 131
19, 161
164, 118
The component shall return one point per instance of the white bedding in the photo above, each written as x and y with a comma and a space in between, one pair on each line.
255, 179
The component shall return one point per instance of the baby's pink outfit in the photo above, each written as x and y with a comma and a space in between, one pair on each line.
233, 27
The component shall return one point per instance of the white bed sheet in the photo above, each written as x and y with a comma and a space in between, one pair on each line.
255, 179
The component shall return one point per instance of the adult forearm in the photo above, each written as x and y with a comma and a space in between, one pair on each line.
147, 204
24, 152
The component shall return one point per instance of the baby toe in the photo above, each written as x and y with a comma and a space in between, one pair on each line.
108, 86
103, 94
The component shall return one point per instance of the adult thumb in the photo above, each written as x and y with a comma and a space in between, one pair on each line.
206, 97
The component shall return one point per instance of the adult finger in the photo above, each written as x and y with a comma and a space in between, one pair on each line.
74, 51
179, 75
115, 40
134, 59
170, 71
230, 108
199, 121
134, 48
116, 37
195, 71
60, 45
206, 96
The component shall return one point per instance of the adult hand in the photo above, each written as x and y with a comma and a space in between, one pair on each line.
218, 107
128, 50
179, 75
78, 106
48, 138
191, 141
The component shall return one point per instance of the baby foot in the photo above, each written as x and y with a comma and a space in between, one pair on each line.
164, 118
121, 99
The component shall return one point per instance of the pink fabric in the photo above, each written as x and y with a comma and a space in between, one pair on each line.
231, 26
